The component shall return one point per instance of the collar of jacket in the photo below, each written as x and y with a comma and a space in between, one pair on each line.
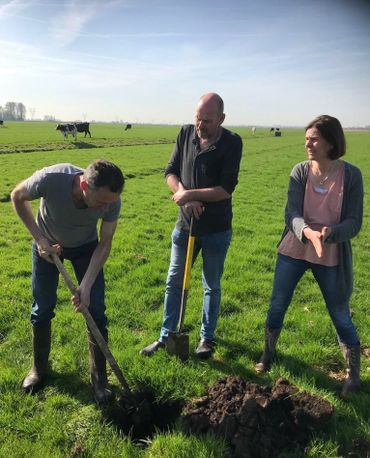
196, 142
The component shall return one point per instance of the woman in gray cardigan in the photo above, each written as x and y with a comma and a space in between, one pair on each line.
323, 212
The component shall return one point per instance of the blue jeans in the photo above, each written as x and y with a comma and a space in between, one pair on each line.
288, 272
214, 248
45, 277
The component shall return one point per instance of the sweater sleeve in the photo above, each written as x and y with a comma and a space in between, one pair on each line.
351, 219
294, 208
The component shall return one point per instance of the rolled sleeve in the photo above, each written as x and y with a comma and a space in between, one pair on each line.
173, 166
230, 171
35, 184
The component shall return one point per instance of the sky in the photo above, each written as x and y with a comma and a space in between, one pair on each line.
274, 62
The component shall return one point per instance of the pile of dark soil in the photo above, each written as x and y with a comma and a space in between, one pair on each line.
258, 421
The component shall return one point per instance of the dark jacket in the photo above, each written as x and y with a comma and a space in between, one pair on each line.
217, 165
341, 233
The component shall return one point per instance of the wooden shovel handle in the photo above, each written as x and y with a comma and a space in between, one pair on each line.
92, 325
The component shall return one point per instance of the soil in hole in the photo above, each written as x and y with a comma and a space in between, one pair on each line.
141, 419
258, 421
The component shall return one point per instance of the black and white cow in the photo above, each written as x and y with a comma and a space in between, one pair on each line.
83, 127
128, 126
67, 129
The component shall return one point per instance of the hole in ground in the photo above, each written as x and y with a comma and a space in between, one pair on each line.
142, 416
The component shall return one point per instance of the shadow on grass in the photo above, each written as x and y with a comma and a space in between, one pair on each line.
144, 417
138, 415
84, 145
72, 384
297, 367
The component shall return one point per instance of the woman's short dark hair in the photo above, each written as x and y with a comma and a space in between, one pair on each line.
331, 130
104, 173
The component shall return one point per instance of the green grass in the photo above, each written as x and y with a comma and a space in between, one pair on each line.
41, 136
62, 420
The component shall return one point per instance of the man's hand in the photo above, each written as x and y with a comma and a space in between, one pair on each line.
44, 249
181, 196
315, 237
194, 207
81, 298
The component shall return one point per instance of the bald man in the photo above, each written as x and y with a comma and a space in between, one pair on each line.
202, 174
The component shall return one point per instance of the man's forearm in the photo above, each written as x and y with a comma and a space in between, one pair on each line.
208, 194
97, 262
23, 210
173, 182
183, 196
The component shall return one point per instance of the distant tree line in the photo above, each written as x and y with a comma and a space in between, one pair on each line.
13, 111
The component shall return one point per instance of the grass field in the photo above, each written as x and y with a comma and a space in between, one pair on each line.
62, 419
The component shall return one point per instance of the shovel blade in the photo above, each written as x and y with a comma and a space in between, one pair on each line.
178, 345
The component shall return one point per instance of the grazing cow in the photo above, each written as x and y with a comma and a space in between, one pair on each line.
1, 122
128, 126
66, 129
253, 130
272, 130
83, 127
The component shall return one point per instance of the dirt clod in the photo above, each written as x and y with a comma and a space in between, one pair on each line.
257, 421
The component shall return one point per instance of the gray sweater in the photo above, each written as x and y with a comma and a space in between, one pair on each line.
341, 233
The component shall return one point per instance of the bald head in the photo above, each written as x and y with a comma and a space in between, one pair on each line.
212, 101
209, 115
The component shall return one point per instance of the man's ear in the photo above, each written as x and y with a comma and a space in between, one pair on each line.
83, 184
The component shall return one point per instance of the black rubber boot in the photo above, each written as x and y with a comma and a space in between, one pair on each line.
41, 350
271, 338
352, 355
98, 370
152, 348
205, 348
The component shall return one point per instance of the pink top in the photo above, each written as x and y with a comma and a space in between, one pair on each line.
322, 207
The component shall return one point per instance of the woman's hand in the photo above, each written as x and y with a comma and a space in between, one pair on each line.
325, 232
316, 238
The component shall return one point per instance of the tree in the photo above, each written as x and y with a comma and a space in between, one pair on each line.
49, 118
21, 111
10, 111
32, 111
13, 111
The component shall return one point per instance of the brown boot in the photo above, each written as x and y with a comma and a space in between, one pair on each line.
98, 370
352, 355
41, 350
271, 338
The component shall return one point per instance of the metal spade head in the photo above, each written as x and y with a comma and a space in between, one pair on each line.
178, 345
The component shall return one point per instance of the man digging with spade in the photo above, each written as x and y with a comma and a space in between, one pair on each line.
72, 202
202, 174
